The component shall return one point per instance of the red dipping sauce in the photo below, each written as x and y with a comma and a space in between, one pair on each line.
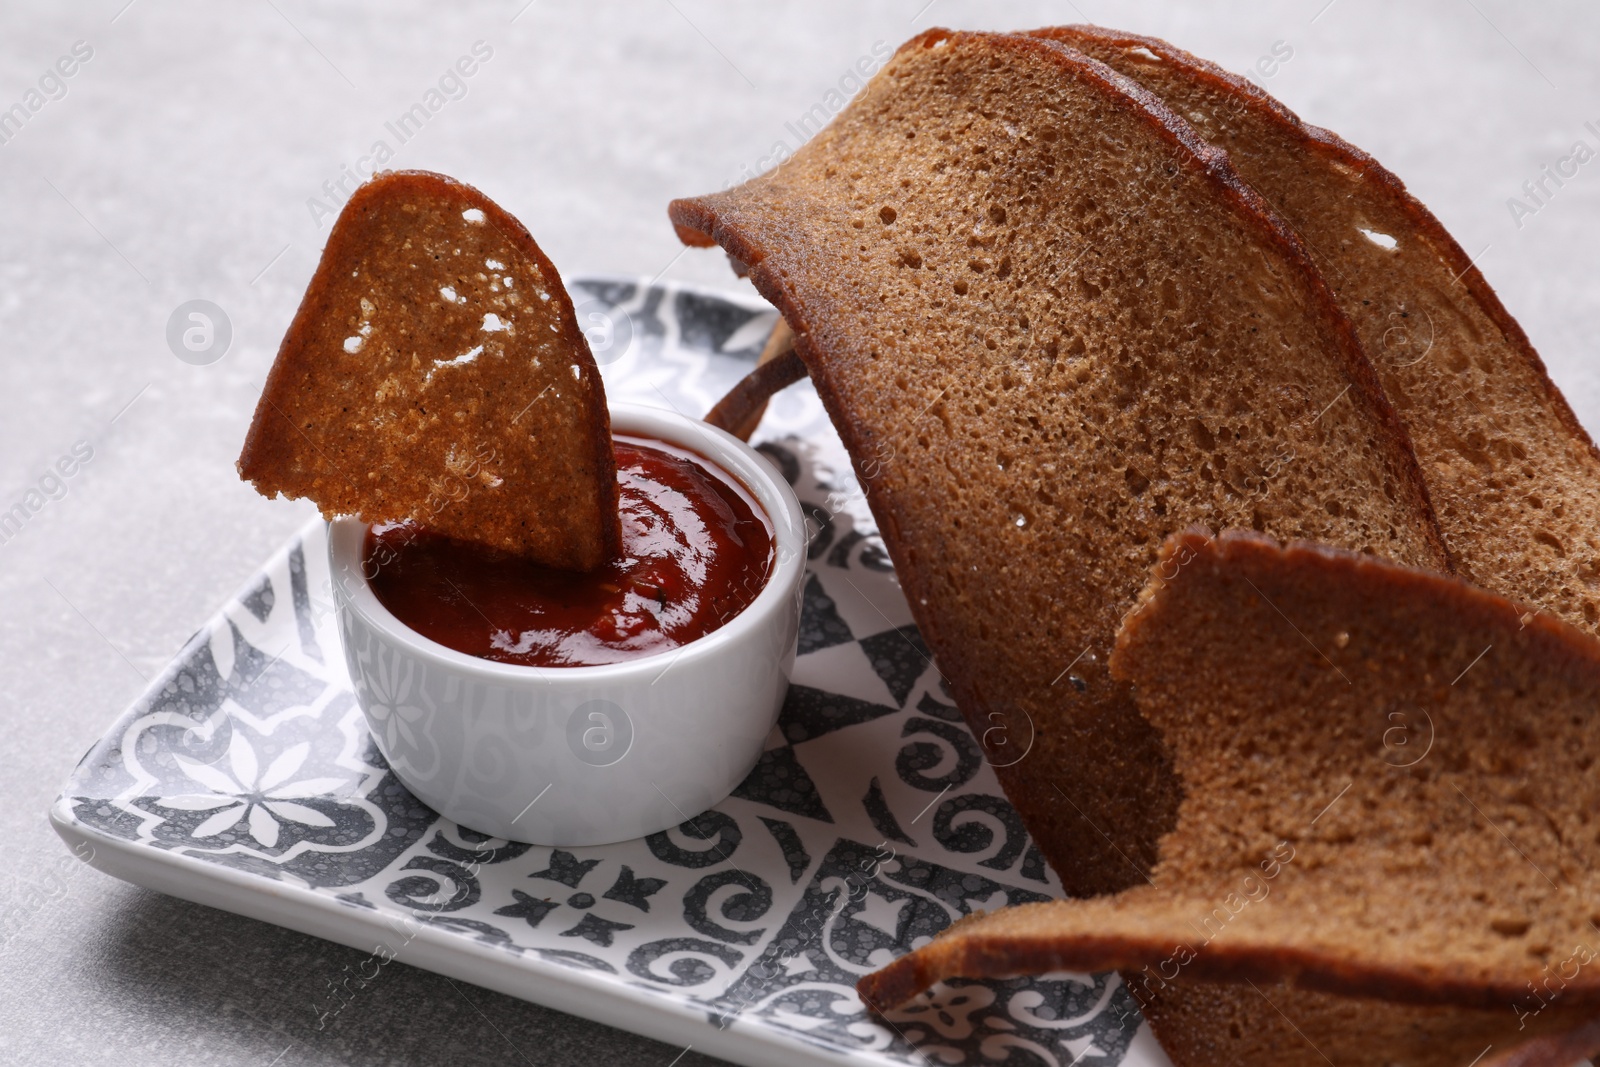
696, 550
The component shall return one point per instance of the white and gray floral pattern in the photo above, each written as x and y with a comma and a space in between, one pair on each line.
870, 824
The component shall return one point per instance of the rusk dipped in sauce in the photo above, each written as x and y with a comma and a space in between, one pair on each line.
438, 401
696, 550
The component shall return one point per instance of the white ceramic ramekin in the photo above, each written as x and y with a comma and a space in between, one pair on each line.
581, 755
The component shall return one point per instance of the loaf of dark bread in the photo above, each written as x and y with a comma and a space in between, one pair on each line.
1053, 326
435, 371
1387, 792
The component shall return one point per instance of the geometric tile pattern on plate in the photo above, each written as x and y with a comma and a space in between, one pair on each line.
870, 823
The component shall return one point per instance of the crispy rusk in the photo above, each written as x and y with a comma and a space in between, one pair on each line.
1386, 794
435, 372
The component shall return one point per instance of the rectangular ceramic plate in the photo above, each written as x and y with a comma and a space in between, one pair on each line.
245, 779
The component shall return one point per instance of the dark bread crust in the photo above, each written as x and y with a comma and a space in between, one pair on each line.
1515, 479
1325, 184
1118, 829
1325, 141
741, 408
352, 429
1213, 621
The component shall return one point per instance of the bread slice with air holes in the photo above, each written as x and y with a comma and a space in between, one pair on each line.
1513, 476
1314, 844
1052, 326
435, 372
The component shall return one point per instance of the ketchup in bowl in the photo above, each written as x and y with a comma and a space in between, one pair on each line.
696, 550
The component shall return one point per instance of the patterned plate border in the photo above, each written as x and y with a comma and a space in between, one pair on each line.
244, 779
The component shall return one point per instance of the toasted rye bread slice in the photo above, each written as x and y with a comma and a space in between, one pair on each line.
435, 371
1052, 326
1387, 792
1513, 476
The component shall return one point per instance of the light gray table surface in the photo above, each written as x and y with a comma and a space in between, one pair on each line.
180, 163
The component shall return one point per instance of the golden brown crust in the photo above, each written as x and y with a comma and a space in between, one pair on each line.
1272, 670
455, 390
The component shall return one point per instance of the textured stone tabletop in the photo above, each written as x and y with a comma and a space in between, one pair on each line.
196, 151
